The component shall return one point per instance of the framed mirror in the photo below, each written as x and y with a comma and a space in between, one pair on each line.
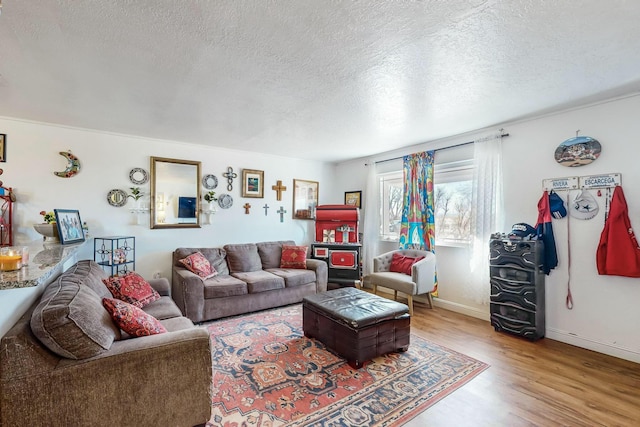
305, 199
175, 193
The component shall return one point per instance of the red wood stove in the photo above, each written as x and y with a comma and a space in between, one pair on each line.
337, 243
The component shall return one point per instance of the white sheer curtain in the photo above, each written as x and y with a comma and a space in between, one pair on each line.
488, 212
371, 220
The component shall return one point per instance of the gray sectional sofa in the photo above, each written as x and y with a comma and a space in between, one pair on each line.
249, 279
106, 378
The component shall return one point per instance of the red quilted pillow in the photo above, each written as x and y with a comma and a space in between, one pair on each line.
293, 257
403, 264
132, 319
132, 288
199, 264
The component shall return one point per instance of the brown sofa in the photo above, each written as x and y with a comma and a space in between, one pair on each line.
249, 279
105, 378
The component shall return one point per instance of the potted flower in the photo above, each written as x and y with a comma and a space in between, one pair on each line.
210, 196
49, 228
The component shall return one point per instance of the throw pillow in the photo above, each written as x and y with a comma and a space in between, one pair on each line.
199, 264
293, 257
132, 319
132, 288
403, 264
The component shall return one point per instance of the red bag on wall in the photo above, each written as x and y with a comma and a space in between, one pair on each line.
618, 253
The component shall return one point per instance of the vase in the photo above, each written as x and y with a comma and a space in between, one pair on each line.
49, 231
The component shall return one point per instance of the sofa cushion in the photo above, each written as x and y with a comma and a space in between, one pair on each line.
71, 321
243, 258
164, 308
294, 276
260, 281
199, 264
89, 273
224, 286
217, 257
131, 319
293, 256
131, 288
271, 253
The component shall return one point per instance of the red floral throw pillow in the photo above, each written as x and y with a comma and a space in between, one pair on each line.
293, 257
198, 264
132, 319
403, 264
132, 288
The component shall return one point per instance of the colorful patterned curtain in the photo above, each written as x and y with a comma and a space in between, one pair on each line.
417, 229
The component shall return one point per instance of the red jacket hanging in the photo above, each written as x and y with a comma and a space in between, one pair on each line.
545, 233
618, 253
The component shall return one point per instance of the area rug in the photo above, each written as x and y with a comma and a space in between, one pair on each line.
266, 373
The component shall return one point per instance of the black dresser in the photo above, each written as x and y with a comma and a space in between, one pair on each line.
517, 286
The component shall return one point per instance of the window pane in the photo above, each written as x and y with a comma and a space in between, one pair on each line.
453, 212
391, 196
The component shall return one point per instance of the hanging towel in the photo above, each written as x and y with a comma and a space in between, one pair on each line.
545, 233
618, 253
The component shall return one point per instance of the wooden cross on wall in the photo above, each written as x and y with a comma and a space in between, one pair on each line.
246, 207
281, 211
279, 188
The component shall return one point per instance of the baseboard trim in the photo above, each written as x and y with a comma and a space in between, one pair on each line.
462, 309
593, 345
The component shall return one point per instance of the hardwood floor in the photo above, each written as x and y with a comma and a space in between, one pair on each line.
542, 383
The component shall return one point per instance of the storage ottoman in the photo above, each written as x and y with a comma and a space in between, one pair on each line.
356, 324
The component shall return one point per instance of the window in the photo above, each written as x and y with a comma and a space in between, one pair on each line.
452, 202
391, 206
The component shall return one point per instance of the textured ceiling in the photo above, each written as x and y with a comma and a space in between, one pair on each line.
316, 79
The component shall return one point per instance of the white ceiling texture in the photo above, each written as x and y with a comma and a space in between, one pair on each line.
317, 79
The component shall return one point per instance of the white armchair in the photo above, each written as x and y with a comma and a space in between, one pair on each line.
421, 281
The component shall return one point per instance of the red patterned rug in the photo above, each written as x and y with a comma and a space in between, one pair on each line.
266, 373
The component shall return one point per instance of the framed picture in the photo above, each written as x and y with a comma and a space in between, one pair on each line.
252, 183
3, 147
69, 226
305, 199
353, 198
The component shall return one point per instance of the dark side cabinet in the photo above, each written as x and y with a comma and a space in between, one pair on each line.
517, 286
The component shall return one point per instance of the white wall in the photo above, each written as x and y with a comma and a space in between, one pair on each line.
605, 316
106, 159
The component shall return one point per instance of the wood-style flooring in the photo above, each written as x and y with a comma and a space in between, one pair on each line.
542, 383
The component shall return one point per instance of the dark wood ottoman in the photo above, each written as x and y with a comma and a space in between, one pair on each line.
356, 324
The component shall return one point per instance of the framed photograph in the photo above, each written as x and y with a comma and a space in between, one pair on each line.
305, 199
353, 198
3, 147
252, 183
69, 226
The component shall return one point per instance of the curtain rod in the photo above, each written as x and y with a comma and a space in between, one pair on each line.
503, 135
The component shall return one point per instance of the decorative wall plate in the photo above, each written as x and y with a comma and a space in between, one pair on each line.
117, 198
578, 151
225, 201
209, 182
138, 176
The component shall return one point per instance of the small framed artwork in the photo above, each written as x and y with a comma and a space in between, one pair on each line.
353, 198
3, 147
252, 183
305, 199
69, 226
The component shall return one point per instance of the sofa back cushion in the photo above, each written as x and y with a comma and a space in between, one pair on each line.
271, 253
90, 274
215, 256
243, 258
71, 321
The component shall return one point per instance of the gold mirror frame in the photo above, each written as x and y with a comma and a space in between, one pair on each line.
172, 179
305, 199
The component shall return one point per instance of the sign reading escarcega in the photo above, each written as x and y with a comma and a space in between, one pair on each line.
569, 183
601, 181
